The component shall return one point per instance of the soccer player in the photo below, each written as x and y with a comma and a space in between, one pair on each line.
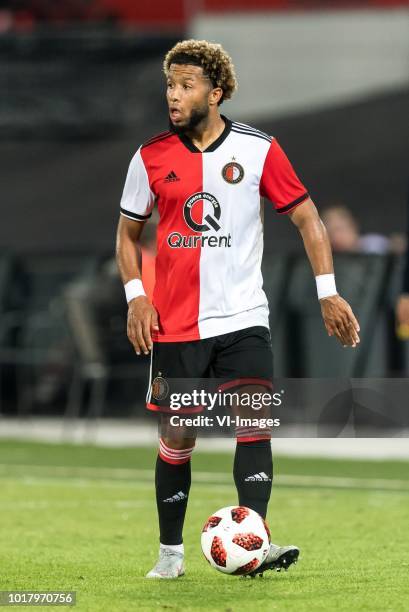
207, 176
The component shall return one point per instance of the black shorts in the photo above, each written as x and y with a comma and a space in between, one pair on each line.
238, 358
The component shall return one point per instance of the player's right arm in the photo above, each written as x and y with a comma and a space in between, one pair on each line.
136, 208
142, 316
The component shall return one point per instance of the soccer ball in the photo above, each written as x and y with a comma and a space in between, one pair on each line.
235, 540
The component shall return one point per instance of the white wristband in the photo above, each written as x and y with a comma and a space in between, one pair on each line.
133, 289
325, 285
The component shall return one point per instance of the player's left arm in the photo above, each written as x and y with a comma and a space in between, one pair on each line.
338, 317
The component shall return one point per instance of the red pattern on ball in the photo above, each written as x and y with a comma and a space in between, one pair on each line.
213, 521
245, 569
239, 514
248, 541
218, 552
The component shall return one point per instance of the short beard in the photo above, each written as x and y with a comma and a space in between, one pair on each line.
197, 115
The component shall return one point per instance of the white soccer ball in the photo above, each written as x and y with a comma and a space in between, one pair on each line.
235, 540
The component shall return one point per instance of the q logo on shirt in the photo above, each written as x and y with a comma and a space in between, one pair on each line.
211, 219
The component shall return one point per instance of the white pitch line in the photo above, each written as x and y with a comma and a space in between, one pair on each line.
44, 504
343, 482
83, 476
115, 433
63, 470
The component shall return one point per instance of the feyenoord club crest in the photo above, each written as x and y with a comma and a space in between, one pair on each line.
160, 388
233, 172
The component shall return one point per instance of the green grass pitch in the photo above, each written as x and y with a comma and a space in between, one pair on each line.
83, 518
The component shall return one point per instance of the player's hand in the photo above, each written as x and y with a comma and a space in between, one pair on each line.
402, 316
339, 320
142, 318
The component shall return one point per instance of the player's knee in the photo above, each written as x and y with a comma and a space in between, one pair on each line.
178, 443
176, 451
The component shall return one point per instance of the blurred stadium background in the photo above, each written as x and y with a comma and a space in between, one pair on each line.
82, 87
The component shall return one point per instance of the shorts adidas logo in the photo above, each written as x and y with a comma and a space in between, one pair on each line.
261, 477
180, 496
172, 177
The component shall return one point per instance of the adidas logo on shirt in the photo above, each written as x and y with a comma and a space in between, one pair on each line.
261, 477
180, 496
171, 177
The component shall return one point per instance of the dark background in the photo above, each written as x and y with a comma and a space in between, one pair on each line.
82, 87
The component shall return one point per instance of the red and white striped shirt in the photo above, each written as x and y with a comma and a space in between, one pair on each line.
210, 231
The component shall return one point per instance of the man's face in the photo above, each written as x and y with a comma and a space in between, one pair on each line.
187, 94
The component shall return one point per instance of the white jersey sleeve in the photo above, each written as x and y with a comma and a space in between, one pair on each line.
137, 198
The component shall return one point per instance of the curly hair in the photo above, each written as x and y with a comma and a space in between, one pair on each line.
216, 63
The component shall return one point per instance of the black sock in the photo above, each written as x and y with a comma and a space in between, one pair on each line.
253, 474
172, 484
